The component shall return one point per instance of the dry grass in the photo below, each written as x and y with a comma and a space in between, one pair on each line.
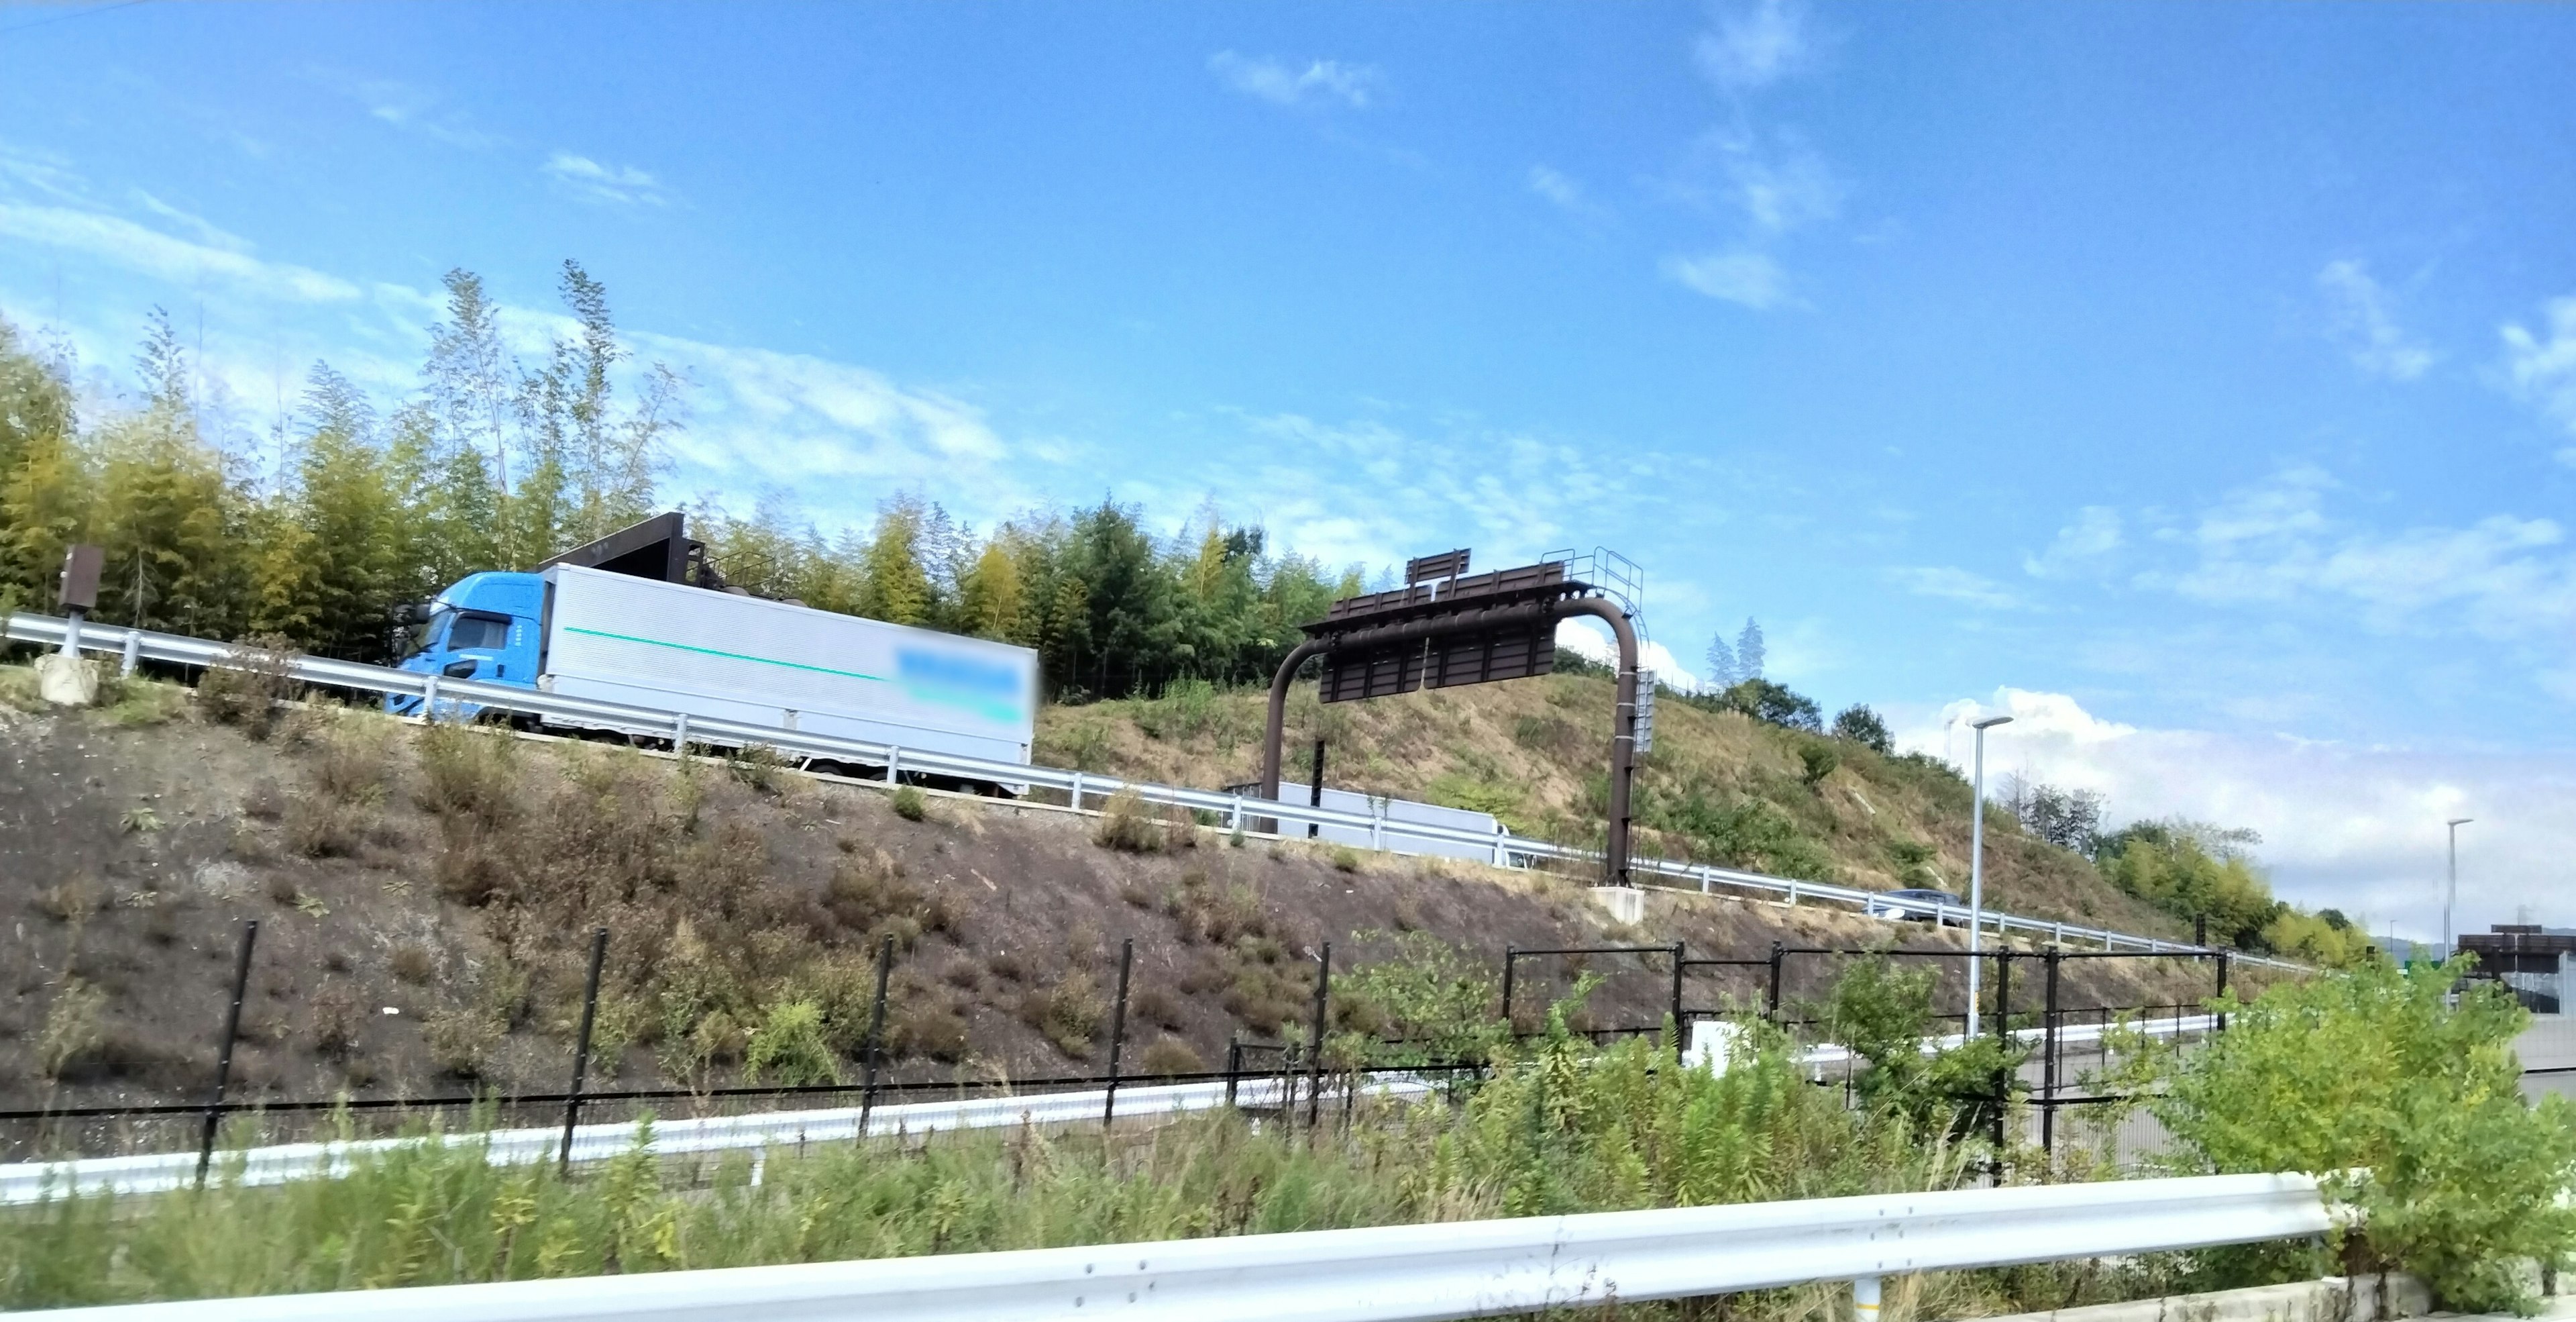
1168, 1056
1069, 1013
246, 686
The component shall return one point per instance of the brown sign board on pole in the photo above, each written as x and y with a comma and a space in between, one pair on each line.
1447, 564
79, 589
1471, 652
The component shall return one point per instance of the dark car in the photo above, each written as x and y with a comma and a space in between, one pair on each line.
1916, 904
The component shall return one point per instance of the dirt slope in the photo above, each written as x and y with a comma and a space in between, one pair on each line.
426, 899
1718, 787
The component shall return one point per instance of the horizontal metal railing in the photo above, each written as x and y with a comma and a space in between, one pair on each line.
1237, 811
1406, 1273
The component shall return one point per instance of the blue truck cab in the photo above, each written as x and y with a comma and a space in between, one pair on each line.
489, 627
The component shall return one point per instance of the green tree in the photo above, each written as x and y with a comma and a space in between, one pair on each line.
45, 482
2376, 1071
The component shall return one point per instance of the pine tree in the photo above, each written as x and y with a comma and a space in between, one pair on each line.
1721, 663
1748, 651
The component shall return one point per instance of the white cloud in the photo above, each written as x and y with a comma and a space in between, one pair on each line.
1737, 275
2093, 536
1954, 584
1563, 190
1753, 45
207, 233
622, 185
2359, 319
1281, 83
1781, 186
2543, 370
1590, 639
2349, 826
2276, 543
134, 247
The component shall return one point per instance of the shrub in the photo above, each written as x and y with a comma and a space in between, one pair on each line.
757, 766
352, 760
870, 896
1068, 1013
1429, 996
2374, 1070
1864, 727
461, 1039
468, 772
1157, 1007
1168, 1056
1128, 826
412, 962
1345, 859
910, 803
1817, 761
321, 827
927, 1026
71, 901
789, 1046
246, 684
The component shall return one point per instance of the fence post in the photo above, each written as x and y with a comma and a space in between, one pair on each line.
1117, 1033
1315, 1038
1315, 792
581, 1046
2003, 995
2048, 1066
1511, 956
2222, 987
224, 1057
1679, 1032
1233, 1065
1771, 1005
876, 1035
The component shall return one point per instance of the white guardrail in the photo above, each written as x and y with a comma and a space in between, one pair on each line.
1237, 810
160, 1172
1410, 1273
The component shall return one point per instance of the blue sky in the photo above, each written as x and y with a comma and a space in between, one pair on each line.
2197, 380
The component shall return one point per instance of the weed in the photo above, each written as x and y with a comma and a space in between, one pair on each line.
1128, 826
910, 803
134, 702
962, 974
468, 772
140, 820
18, 689
927, 1026
1167, 1056
789, 1046
245, 685
412, 962
1007, 967
461, 1039
336, 1019
1345, 859
318, 826
352, 761
264, 801
283, 890
71, 1027
1157, 1007
1068, 1013
757, 766
71, 901
870, 897
1135, 894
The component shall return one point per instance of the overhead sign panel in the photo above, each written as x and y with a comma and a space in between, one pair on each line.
1468, 653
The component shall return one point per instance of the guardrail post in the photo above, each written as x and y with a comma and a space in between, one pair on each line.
581, 1047
1511, 957
876, 1035
1315, 1038
894, 765
224, 1057
1077, 791
133, 652
1117, 1033
1707, 878
1680, 1033
1865, 1299
1234, 819
429, 698
1793, 893
1771, 1004
2048, 1063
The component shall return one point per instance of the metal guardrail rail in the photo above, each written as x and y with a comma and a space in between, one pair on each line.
1410, 1273
160, 1172
1238, 811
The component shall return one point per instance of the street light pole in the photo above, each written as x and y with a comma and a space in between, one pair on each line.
2451, 896
1977, 868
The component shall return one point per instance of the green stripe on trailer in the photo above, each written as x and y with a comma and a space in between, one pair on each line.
730, 656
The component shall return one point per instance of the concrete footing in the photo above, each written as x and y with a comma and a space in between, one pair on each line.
2333, 1299
1626, 904
66, 681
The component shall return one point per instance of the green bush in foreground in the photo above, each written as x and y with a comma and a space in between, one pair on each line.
2375, 1072
1562, 1128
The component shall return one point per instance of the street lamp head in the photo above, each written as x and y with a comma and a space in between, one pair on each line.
2459, 821
1991, 720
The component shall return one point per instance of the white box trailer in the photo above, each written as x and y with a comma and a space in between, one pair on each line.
680, 648
1400, 810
